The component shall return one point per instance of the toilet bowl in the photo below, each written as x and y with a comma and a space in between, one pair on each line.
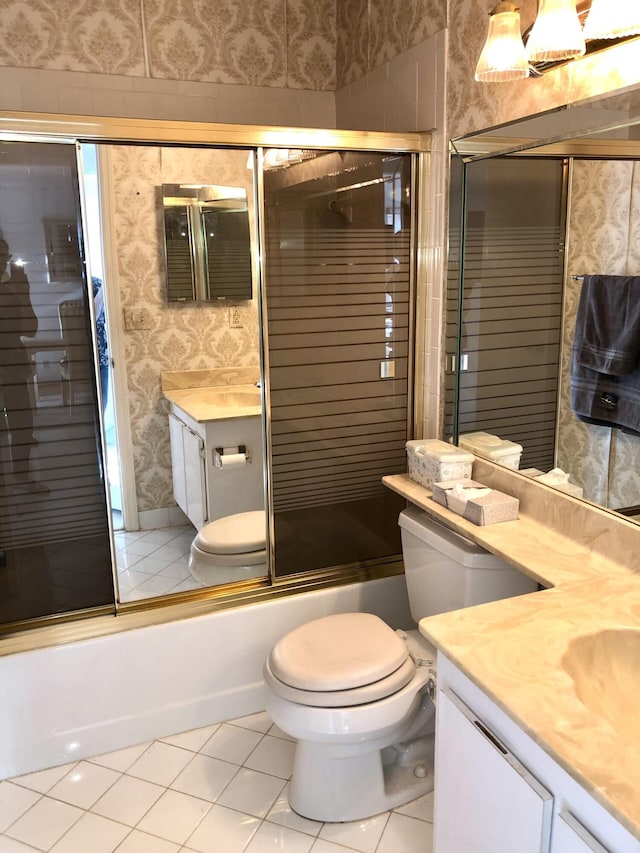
358, 696
229, 549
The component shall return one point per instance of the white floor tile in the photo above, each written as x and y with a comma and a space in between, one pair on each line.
14, 802
161, 763
275, 731
362, 835
121, 759
223, 829
174, 816
94, 833
205, 777
231, 743
179, 571
156, 585
161, 537
406, 833
187, 585
43, 779
128, 800
282, 813
192, 740
84, 784
131, 579
142, 842
251, 792
322, 846
422, 808
270, 837
152, 564
45, 823
273, 755
260, 722
10, 845
141, 548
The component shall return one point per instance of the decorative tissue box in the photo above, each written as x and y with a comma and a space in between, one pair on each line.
490, 507
430, 460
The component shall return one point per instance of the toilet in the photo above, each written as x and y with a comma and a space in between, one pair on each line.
230, 549
358, 696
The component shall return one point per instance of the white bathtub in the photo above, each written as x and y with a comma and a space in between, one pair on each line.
70, 702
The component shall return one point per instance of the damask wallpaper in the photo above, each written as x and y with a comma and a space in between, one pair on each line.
604, 226
178, 336
283, 43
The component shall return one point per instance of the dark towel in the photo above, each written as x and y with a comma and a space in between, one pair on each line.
607, 336
612, 401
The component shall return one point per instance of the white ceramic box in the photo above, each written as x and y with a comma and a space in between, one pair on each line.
431, 460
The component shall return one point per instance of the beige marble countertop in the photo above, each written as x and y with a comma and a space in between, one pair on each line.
513, 649
217, 402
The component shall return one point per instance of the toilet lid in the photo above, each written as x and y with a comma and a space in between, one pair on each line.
234, 534
337, 652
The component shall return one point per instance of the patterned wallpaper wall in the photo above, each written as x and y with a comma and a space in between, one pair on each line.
604, 229
371, 32
179, 336
284, 43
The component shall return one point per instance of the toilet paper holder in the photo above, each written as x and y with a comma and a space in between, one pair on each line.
219, 454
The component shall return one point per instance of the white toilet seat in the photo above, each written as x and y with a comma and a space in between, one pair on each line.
242, 533
338, 661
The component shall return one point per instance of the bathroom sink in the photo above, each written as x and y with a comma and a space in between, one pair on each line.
234, 397
605, 668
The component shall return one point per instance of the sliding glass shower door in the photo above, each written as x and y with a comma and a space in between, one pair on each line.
338, 264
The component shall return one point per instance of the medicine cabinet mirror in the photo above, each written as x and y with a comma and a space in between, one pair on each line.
207, 242
534, 207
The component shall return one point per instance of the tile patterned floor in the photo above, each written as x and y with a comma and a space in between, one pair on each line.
218, 789
154, 562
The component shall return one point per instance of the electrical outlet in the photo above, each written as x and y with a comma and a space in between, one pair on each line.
235, 317
135, 319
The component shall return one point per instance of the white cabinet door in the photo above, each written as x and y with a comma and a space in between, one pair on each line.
177, 462
486, 800
570, 836
187, 462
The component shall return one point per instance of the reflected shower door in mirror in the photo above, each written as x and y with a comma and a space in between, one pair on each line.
188, 376
207, 242
505, 286
55, 552
600, 194
338, 295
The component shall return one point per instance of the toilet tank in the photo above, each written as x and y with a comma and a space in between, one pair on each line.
446, 571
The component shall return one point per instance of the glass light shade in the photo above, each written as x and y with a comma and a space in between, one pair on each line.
610, 19
556, 33
503, 57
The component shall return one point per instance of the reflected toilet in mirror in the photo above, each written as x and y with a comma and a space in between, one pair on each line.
233, 548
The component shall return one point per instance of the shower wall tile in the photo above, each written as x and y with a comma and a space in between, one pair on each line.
73, 35
311, 44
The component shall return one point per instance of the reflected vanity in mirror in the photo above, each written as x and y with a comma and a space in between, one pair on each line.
207, 242
535, 207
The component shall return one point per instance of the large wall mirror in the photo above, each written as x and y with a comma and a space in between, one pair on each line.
535, 208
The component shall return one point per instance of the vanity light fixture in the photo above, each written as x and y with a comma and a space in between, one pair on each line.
556, 33
503, 56
556, 36
610, 19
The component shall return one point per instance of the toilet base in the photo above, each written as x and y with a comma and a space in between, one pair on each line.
353, 781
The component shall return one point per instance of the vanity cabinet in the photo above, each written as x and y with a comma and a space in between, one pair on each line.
487, 799
203, 490
498, 791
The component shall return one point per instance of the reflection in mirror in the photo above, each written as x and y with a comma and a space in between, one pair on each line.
187, 379
207, 242
498, 339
